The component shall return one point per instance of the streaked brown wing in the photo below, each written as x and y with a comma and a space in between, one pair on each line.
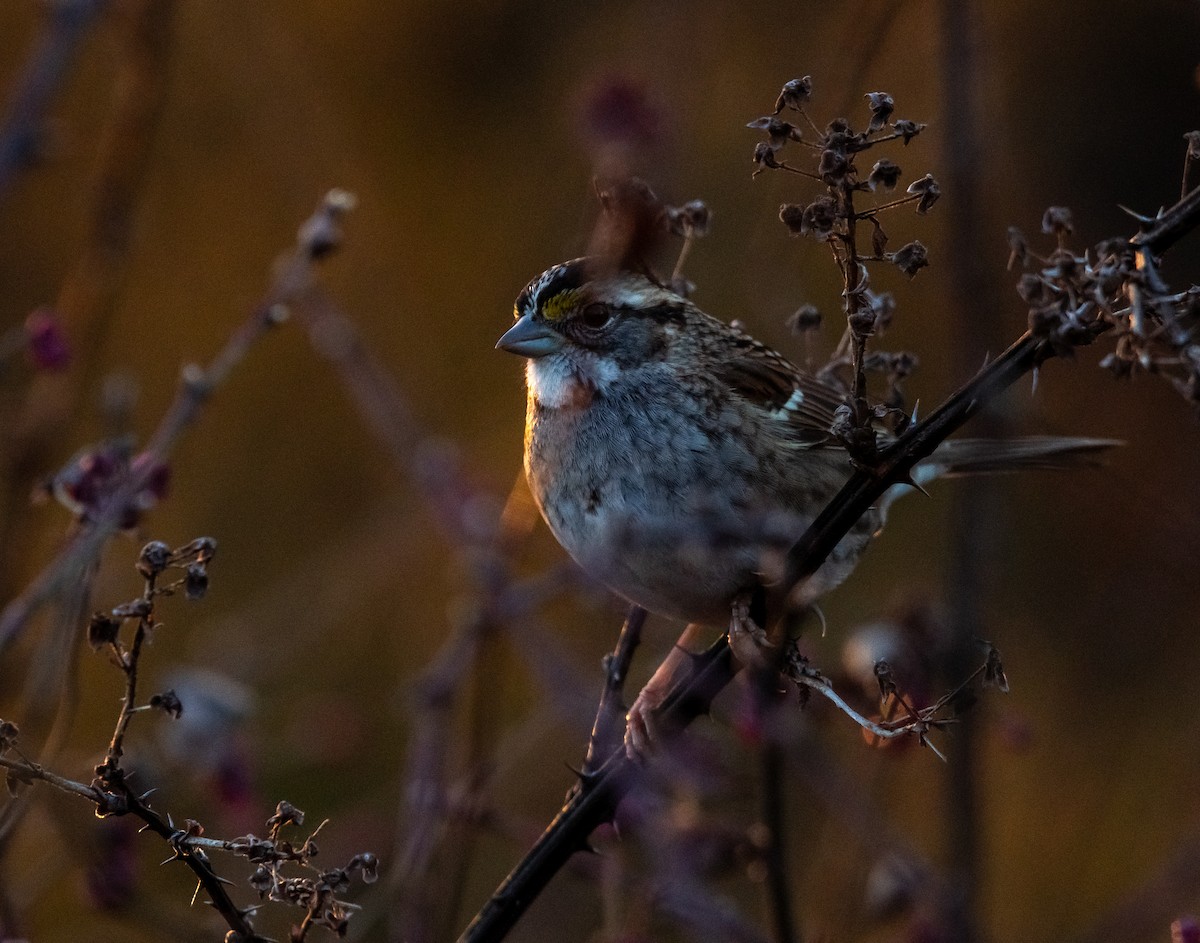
776, 385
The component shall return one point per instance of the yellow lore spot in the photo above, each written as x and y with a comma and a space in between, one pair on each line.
556, 308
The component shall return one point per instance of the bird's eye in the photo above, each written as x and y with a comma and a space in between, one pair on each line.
596, 315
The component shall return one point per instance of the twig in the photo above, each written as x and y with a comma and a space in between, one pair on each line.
609, 726
293, 277
775, 853
67, 22
186, 848
128, 663
88, 296
978, 518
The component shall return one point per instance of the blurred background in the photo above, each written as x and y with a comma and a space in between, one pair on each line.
181, 148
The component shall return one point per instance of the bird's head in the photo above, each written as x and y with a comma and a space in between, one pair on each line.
578, 324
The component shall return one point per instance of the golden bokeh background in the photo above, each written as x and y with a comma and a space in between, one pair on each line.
460, 128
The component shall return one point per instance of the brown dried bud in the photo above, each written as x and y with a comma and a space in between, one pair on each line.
885, 678
154, 558
779, 132
205, 548
794, 94
764, 156
262, 880
907, 129
368, 864
691, 219
1057, 220
861, 321
882, 106
993, 671
833, 166
195, 581
885, 174
929, 190
9, 734
792, 216
911, 258
285, 814
168, 702
819, 218
1033, 289
102, 630
134, 609
884, 306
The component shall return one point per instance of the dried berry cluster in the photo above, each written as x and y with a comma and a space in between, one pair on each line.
154, 560
316, 894
1114, 287
833, 218
110, 790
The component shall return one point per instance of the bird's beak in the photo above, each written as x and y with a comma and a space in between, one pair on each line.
527, 338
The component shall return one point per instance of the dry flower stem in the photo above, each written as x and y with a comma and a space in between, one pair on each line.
293, 278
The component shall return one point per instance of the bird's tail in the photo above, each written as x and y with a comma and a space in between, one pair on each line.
990, 456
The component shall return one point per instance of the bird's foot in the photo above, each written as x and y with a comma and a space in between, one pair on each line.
641, 729
747, 639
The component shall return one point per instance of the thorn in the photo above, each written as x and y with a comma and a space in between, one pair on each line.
1136, 215
586, 777
147, 794
913, 420
1033, 386
926, 742
821, 614
588, 848
912, 483
987, 358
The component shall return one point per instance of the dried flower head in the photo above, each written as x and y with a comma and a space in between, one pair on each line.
794, 94
907, 129
168, 702
911, 258
882, 106
884, 175
929, 191
779, 132
1057, 220
103, 630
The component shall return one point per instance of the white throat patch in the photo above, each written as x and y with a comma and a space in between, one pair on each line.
556, 381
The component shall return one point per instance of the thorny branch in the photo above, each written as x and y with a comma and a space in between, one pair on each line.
113, 795
609, 728
1057, 326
